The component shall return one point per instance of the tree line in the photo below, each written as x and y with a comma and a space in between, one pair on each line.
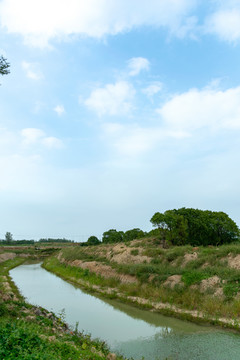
180, 227
113, 236
10, 241
184, 226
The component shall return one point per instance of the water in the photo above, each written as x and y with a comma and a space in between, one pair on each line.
133, 332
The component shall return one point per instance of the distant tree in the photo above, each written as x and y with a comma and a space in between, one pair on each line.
112, 236
177, 228
8, 237
93, 240
50, 240
195, 227
159, 220
133, 234
4, 66
207, 227
24, 242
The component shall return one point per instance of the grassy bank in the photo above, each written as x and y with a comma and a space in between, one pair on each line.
28, 332
197, 283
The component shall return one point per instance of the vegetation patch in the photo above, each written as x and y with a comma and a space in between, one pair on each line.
193, 277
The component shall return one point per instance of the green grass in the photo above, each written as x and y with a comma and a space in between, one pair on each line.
20, 339
74, 273
89, 253
192, 277
134, 252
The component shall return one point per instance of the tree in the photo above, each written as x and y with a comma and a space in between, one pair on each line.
207, 227
172, 227
159, 220
177, 233
8, 237
4, 66
133, 234
93, 240
112, 236
196, 227
224, 228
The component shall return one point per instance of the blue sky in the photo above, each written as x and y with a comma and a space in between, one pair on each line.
114, 110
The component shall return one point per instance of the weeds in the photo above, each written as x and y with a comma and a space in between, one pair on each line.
193, 277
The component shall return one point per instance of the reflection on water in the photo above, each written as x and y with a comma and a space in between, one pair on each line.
129, 330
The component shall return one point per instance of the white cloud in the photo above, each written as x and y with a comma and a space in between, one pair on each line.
33, 136
59, 109
41, 20
207, 108
31, 70
225, 24
183, 116
137, 64
153, 89
113, 99
225, 21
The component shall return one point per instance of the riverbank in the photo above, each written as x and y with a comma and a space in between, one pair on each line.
30, 332
198, 284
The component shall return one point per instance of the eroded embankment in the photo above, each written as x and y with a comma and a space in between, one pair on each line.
195, 283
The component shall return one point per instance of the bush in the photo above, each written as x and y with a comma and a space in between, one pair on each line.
93, 240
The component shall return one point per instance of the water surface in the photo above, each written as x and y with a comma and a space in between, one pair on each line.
133, 332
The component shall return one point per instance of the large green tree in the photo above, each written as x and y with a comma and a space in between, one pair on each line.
172, 227
112, 236
196, 227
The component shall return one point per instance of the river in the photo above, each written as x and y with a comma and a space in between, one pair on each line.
128, 330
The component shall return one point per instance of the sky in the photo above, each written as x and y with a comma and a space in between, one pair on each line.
114, 110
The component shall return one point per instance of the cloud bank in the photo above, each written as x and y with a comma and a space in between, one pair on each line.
45, 20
